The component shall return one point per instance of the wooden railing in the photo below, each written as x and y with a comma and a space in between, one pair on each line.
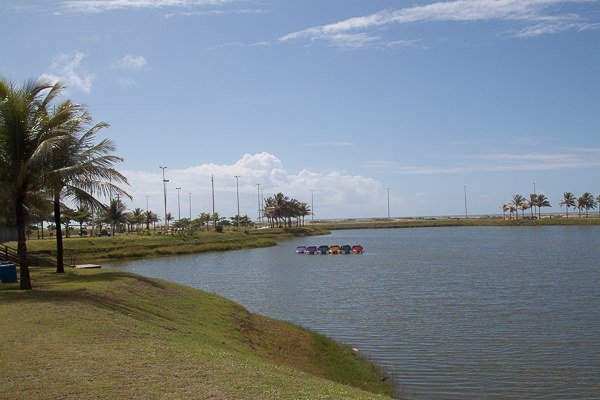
10, 254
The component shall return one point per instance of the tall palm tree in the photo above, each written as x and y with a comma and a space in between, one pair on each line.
517, 201
542, 201
81, 170
532, 203
115, 214
504, 208
511, 210
588, 202
568, 201
30, 136
524, 206
598, 202
580, 204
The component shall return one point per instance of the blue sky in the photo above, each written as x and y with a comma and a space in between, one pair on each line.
343, 97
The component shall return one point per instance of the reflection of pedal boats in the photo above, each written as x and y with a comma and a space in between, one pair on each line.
312, 250
357, 249
323, 249
346, 249
335, 249
301, 249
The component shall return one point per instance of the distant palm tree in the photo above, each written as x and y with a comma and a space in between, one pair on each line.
580, 204
542, 201
589, 202
115, 214
517, 201
504, 208
568, 201
511, 210
523, 207
533, 201
598, 202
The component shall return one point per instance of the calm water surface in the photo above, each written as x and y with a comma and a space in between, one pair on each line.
454, 313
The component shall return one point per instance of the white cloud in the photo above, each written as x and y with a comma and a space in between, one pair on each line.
528, 12
68, 69
130, 62
96, 6
126, 82
335, 193
575, 158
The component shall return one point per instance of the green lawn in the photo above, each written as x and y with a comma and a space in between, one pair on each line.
103, 334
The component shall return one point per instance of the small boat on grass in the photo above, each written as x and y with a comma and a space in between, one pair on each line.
311, 250
323, 249
358, 249
335, 250
346, 249
300, 249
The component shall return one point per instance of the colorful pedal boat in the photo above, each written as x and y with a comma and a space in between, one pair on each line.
346, 249
335, 249
357, 249
324, 249
301, 249
311, 250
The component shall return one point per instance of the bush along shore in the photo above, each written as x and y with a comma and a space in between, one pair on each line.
98, 334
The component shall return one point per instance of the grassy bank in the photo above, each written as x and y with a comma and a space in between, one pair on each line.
98, 334
452, 221
86, 249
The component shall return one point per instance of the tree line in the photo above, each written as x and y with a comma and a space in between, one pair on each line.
49, 155
585, 202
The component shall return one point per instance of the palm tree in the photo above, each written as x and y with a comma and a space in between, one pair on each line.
568, 201
533, 201
580, 204
82, 170
504, 208
588, 202
115, 214
82, 215
524, 207
542, 201
29, 138
598, 202
511, 210
517, 201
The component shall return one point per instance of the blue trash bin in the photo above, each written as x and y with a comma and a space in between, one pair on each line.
8, 273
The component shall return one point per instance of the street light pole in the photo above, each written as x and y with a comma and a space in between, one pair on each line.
258, 186
465, 201
178, 204
388, 189
312, 206
165, 190
237, 188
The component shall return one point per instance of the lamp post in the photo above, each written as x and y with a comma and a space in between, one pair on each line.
258, 186
312, 206
190, 206
178, 204
262, 202
388, 189
465, 201
165, 190
237, 189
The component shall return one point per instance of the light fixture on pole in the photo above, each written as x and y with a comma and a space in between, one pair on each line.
465, 201
165, 190
388, 189
178, 204
312, 206
237, 189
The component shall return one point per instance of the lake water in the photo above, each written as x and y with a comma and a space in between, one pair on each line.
453, 313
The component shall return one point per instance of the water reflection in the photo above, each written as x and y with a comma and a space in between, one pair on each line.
458, 313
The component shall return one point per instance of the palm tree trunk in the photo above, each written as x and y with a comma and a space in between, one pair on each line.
25, 279
60, 266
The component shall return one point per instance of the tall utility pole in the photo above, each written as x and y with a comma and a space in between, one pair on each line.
212, 178
465, 202
178, 204
165, 190
262, 202
388, 189
190, 207
237, 189
312, 205
258, 186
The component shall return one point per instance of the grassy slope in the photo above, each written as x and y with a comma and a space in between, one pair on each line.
133, 246
97, 334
